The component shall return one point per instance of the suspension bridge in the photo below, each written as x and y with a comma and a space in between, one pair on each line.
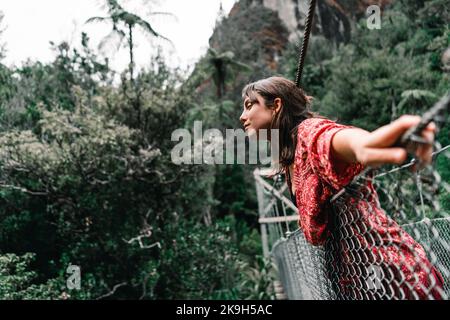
355, 262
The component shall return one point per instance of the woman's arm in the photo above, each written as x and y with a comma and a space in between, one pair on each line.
375, 148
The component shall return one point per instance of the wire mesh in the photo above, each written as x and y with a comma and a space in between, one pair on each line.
389, 238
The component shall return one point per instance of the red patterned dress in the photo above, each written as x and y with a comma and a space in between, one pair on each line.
372, 237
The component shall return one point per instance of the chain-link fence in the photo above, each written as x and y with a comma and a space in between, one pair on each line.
388, 236
305, 273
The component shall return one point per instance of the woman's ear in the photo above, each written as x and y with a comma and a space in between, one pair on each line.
277, 103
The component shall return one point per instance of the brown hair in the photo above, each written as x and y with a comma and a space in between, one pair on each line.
295, 109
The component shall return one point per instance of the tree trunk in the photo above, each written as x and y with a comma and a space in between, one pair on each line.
135, 98
130, 44
219, 66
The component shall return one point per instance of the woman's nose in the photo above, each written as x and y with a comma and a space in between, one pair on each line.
243, 117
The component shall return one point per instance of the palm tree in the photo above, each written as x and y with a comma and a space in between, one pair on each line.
219, 65
124, 24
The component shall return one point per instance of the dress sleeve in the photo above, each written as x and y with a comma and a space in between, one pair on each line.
315, 136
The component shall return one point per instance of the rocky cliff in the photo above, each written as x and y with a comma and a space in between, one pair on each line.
333, 19
259, 31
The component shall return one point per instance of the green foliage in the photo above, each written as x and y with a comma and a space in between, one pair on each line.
17, 282
70, 191
364, 83
197, 262
90, 185
34, 87
7, 87
444, 171
218, 67
204, 261
382, 74
85, 171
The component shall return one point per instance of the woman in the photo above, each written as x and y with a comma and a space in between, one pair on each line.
319, 158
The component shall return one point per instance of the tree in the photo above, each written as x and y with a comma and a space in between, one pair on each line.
413, 100
124, 24
17, 281
6, 80
220, 63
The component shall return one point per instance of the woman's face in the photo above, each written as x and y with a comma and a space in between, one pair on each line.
256, 115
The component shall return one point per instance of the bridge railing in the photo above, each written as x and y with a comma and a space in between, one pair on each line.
411, 200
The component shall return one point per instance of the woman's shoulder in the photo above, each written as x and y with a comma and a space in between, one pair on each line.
314, 145
313, 125
317, 132
312, 122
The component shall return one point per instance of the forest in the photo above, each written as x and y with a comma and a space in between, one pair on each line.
86, 176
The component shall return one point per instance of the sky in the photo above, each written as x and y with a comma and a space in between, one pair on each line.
31, 25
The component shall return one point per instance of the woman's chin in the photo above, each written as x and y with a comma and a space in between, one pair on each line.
251, 133
260, 134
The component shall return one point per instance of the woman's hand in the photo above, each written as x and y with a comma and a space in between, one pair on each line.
376, 148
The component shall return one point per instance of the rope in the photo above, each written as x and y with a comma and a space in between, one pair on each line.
304, 48
412, 136
410, 164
